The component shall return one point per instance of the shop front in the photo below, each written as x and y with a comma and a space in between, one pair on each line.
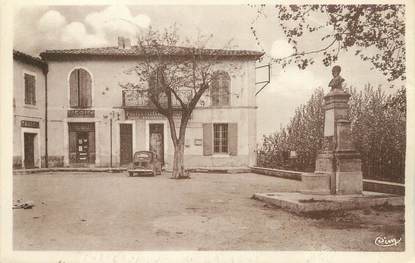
81, 143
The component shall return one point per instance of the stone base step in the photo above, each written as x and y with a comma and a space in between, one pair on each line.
222, 170
68, 169
301, 203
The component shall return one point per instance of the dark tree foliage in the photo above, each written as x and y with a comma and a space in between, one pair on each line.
398, 101
378, 130
303, 135
375, 33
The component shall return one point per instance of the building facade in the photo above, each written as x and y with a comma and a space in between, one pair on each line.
93, 122
29, 105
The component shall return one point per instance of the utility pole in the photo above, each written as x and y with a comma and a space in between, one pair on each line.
111, 117
111, 142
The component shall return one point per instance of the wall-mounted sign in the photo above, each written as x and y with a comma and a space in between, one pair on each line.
198, 142
329, 123
81, 113
81, 126
147, 115
29, 124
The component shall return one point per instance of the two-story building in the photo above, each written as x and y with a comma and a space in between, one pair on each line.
29, 105
92, 121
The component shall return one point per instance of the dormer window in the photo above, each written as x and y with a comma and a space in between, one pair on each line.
80, 89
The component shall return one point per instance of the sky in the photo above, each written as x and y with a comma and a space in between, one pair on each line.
37, 28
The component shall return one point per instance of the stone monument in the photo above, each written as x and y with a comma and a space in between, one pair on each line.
336, 183
338, 164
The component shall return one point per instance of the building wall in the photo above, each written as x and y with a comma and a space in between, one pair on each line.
23, 112
107, 74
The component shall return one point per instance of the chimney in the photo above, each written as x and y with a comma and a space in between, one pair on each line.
127, 43
120, 42
124, 43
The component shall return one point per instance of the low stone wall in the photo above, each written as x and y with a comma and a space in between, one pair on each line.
200, 161
218, 170
383, 187
66, 169
293, 175
368, 185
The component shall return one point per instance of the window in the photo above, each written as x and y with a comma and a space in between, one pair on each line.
220, 89
220, 138
80, 89
29, 89
185, 94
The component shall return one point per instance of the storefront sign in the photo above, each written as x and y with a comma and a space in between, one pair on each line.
147, 115
29, 124
81, 126
81, 113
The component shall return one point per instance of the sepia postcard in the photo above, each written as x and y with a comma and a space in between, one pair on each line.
138, 131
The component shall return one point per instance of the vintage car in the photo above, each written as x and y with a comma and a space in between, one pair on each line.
145, 163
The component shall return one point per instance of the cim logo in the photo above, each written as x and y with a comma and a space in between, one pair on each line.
382, 241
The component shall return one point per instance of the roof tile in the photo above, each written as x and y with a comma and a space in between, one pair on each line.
135, 51
18, 55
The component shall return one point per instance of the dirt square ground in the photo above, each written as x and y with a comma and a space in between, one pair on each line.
111, 211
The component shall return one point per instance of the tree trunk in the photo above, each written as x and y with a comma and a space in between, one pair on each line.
178, 160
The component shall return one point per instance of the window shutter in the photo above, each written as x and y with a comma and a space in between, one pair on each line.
73, 88
233, 138
85, 88
34, 90
213, 94
226, 89
207, 139
26, 89
30, 86
32, 97
91, 140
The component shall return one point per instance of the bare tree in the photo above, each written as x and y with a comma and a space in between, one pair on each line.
375, 33
174, 75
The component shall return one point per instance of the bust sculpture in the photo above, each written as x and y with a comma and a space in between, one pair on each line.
337, 80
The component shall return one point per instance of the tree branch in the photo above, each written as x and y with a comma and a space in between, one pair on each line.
307, 52
179, 99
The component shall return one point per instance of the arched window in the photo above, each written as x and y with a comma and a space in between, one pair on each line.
220, 89
80, 89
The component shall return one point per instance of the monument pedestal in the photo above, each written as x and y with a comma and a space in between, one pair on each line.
338, 162
314, 183
349, 179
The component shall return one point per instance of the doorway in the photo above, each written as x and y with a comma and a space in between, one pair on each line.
29, 150
81, 143
156, 140
126, 143
82, 147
